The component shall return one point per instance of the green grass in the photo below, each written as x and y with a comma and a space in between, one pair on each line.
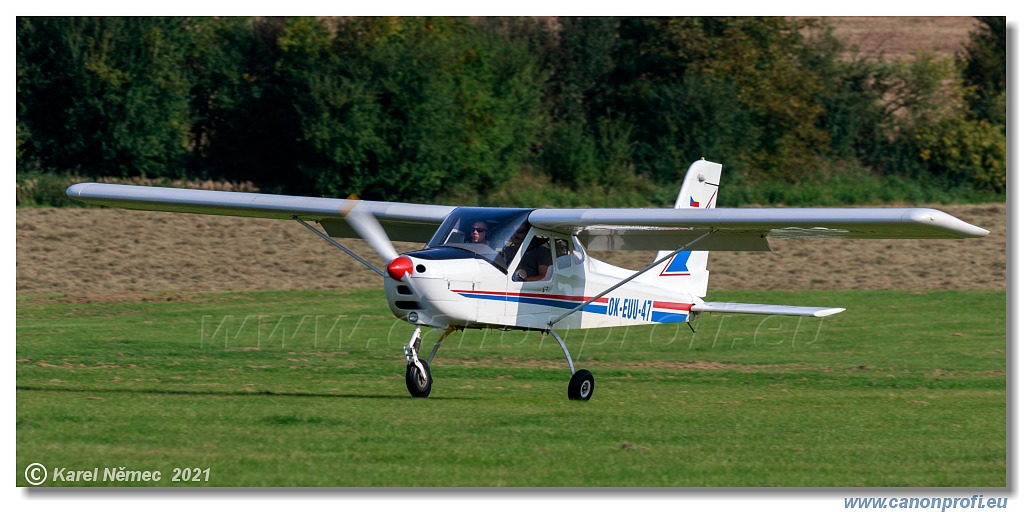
306, 388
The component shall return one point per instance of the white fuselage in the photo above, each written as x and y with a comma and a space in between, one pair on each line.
470, 292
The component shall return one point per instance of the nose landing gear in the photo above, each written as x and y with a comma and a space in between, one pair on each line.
417, 371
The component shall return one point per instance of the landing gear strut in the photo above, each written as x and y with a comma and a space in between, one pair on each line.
581, 385
417, 371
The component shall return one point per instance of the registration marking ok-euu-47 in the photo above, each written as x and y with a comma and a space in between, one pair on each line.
630, 308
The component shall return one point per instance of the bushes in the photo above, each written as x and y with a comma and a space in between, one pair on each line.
405, 108
696, 117
964, 154
44, 189
104, 95
49, 189
984, 70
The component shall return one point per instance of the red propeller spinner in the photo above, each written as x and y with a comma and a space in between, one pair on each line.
399, 267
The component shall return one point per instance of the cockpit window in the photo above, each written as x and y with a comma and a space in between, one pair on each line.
485, 232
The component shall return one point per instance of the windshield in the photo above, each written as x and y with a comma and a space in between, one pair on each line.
485, 232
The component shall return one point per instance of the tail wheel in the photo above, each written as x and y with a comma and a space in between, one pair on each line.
417, 381
581, 385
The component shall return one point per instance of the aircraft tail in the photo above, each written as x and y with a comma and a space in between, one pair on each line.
688, 269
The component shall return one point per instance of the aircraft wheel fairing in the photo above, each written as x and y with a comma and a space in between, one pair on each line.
581, 385
417, 381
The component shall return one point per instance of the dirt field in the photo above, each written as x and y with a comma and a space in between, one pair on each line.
99, 252
900, 37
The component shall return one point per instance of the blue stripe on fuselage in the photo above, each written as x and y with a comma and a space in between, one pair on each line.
663, 317
556, 303
599, 309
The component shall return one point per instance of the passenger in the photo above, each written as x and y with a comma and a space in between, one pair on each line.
536, 261
509, 252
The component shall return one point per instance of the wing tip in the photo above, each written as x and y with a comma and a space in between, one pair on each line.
75, 191
828, 312
941, 219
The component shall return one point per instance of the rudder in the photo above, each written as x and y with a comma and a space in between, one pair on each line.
688, 269
700, 185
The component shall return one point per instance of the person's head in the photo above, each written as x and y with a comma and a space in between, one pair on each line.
478, 233
519, 234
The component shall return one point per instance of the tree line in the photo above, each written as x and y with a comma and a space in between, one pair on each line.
574, 110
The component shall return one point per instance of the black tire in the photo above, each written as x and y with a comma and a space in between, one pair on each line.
581, 385
418, 382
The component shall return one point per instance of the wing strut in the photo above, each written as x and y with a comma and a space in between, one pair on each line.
632, 277
339, 246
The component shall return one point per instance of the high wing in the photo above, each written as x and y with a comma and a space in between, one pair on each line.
743, 229
402, 221
736, 229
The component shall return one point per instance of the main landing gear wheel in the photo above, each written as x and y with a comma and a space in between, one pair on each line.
581, 385
418, 381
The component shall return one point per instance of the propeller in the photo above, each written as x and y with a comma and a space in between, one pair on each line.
367, 227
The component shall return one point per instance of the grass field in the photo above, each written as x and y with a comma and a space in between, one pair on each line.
306, 388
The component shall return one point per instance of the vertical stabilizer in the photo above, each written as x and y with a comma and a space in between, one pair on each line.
687, 271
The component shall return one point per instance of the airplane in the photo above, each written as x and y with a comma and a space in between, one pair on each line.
529, 268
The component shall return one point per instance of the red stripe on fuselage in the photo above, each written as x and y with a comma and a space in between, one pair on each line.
678, 306
578, 298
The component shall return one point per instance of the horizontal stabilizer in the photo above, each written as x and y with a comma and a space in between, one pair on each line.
763, 309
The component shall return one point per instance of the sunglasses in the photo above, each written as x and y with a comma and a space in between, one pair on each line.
480, 230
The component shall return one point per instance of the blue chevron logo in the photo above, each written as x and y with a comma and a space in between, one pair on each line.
677, 265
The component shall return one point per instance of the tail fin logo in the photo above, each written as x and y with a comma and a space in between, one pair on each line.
694, 203
677, 265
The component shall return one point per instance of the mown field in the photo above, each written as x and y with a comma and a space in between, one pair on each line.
103, 252
305, 388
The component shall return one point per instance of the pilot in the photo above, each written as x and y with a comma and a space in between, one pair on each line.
536, 261
478, 234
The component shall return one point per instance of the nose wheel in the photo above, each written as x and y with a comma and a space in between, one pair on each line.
417, 379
